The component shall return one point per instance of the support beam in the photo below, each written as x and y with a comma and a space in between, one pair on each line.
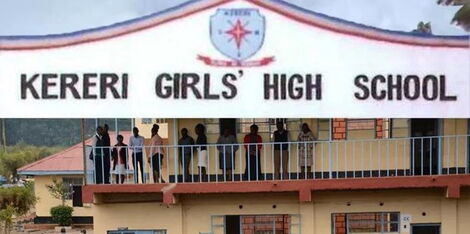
305, 195
453, 191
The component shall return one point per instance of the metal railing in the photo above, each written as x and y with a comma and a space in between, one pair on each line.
415, 156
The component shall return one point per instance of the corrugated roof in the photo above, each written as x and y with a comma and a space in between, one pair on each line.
68, 161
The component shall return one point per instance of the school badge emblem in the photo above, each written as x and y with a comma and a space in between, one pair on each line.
237, 34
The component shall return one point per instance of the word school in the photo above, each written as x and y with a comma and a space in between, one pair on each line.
277, 86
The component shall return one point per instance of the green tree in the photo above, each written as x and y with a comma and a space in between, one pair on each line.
20, 155
462, 17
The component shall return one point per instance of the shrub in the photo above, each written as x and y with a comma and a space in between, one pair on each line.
6, 219
62, 215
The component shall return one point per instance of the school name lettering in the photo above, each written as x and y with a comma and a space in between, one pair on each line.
276, 86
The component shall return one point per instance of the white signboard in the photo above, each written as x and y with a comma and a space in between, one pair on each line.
405, 224
235, 59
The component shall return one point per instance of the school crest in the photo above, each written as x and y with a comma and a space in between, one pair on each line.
237, 34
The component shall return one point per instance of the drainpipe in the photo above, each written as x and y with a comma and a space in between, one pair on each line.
116, 128
175, 150
82, 131
440, 133
330, 154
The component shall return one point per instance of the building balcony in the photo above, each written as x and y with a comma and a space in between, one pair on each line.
416, 162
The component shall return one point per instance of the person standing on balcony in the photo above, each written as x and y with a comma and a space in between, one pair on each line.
253, 148
97, 155
156, 153
281, 155
227, 147
185, 143
136, 143
107, 154
201, 143
120, 155
306, 150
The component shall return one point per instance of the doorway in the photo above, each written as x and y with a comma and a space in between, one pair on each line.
230, 124
425, 229
425, 146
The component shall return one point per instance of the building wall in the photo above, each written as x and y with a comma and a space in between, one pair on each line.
194, 213
46, 201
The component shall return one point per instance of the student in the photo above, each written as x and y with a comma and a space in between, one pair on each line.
226, 145
97, 155
281, 154
185, 148
119, 157
253, 151
136, 143
306, 150
201, 143
156, 153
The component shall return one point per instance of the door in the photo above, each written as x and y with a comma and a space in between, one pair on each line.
230, 124
424, 146
425, 229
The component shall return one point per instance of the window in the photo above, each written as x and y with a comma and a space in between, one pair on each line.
400, 128
260, 224
368, 222
323, 129
138, 232
146, 121
212, 126
69, 182
264, 125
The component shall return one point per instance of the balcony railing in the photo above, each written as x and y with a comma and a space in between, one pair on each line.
416, 156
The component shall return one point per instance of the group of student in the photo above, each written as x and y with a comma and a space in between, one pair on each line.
188, 149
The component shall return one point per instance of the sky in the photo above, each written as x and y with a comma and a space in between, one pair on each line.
41, 17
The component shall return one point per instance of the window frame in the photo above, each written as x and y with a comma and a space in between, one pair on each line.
69, 186
381, 223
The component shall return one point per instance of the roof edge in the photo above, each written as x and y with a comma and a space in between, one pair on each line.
282, 7
41, 173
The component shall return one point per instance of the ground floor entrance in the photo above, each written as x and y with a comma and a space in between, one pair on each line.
426, 229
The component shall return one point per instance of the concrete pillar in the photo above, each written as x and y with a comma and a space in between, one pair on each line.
449, 216
307, 217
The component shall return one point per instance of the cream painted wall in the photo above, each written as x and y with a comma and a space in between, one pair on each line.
46, 201
193, 212
138, 216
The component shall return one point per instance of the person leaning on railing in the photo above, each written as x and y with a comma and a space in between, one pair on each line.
253, 148
306, 150
155, 155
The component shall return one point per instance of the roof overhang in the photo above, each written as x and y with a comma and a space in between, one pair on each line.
46, 173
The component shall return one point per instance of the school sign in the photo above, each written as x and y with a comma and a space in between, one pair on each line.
240, 58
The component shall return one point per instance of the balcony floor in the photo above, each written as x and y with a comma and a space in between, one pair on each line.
168, 192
